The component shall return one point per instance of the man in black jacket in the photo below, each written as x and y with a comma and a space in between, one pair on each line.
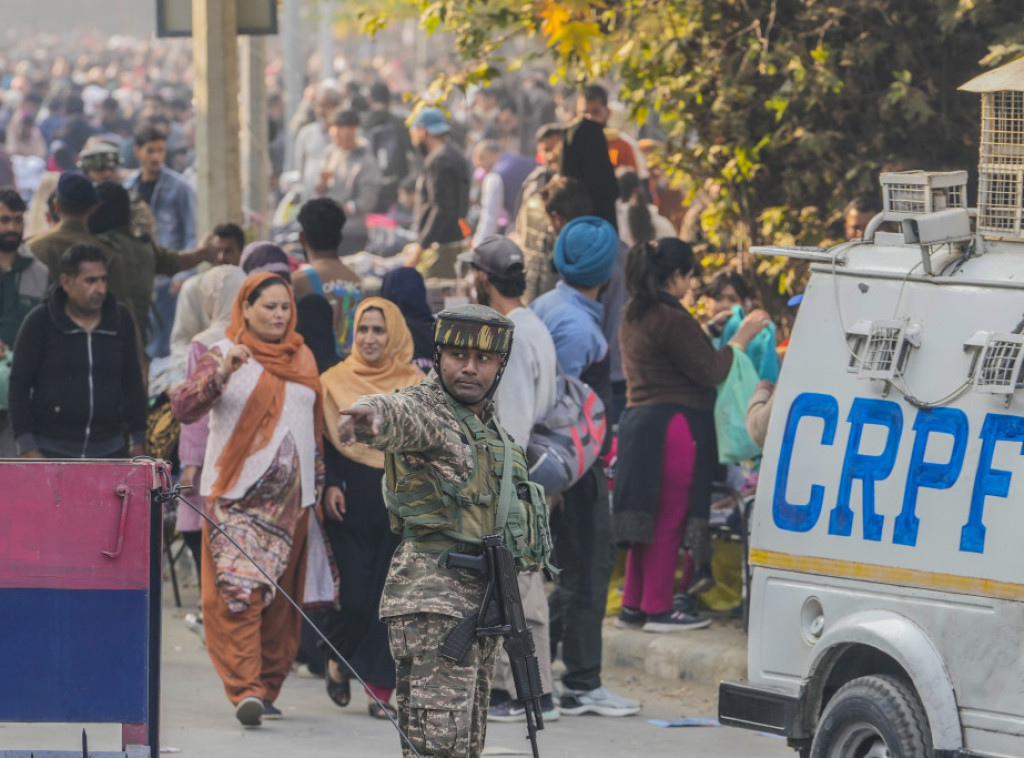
442, 197
76, 386
389, 143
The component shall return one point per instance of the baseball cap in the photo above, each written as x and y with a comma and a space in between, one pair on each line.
550, 130
495, 255
76, 188
433, 120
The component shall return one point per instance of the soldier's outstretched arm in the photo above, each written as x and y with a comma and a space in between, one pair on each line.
400, 422
357, 417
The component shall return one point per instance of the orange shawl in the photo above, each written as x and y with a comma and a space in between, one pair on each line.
354, 377
286, 361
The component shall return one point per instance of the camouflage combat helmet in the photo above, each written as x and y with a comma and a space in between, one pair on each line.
476, 327
99, 156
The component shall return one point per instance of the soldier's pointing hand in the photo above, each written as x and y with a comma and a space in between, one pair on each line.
356, 416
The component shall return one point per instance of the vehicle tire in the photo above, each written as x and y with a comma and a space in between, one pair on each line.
873, 717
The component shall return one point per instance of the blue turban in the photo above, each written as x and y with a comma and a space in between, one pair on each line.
585, 251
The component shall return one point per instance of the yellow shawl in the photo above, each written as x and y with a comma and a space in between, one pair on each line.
352, 378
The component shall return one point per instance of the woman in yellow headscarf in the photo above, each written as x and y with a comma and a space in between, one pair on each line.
356, 520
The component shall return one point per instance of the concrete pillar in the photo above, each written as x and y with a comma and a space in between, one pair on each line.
218, 181
294, 70
255, 148
326, 35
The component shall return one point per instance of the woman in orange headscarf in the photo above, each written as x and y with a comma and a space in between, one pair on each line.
261, 389
357, 520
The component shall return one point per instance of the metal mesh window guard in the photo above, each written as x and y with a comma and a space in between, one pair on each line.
882, 351
999, 368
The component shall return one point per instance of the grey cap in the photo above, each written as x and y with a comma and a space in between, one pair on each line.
495, 255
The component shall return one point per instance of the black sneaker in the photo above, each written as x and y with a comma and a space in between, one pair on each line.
702, 581
271, 711
506, 712
630, 618
511, 711
675, 621
683, 602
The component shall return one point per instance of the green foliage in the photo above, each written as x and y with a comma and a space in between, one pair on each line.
793, 107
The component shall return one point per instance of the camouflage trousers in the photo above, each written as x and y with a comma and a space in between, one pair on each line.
442, 705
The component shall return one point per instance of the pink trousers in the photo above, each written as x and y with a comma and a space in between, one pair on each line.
651, 569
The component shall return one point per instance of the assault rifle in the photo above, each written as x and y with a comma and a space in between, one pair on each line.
501, 614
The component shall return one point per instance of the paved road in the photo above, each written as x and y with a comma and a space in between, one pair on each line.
198, 721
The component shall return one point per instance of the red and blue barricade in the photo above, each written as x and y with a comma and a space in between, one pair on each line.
80, 596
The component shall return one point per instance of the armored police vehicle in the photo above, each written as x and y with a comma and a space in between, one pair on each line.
887, 548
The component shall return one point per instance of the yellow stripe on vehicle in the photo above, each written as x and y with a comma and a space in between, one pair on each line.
931, 580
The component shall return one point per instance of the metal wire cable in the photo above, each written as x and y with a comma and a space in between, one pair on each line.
173, 492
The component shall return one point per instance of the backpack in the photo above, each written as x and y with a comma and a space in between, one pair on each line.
567, 441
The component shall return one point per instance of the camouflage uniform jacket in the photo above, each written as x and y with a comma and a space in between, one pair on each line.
143, 220
418, 423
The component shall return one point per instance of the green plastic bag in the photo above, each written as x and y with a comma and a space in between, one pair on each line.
734, 444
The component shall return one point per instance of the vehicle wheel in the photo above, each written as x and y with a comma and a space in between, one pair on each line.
873, 717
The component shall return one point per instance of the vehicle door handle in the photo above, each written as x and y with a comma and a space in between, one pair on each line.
124, 493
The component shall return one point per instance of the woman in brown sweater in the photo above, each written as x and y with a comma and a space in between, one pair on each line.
667, 448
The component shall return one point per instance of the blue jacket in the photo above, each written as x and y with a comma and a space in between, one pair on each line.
574, 321
174, 206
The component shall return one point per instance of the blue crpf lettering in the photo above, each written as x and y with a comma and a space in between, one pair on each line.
938, 476
868, 468
989, 481
802, 518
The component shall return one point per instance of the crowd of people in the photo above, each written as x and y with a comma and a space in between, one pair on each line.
279, 365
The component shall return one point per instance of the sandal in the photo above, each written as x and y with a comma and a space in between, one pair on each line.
338, 691
382, 711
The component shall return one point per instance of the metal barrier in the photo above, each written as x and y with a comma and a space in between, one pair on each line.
80, 597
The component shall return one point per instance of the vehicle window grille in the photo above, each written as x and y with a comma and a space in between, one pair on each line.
907, 198
1002, 128
999, 365
882, 350
999, 202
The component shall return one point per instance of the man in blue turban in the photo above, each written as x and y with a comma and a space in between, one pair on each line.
585, 254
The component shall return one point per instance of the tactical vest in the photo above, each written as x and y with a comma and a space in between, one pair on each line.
437, 516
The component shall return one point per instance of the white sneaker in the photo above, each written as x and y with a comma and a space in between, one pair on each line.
601, 701
194, 622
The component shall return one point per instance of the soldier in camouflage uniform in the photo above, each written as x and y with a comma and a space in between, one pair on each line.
433, 432
101, 162
533, 229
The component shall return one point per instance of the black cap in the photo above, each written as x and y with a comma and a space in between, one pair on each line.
77, 189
